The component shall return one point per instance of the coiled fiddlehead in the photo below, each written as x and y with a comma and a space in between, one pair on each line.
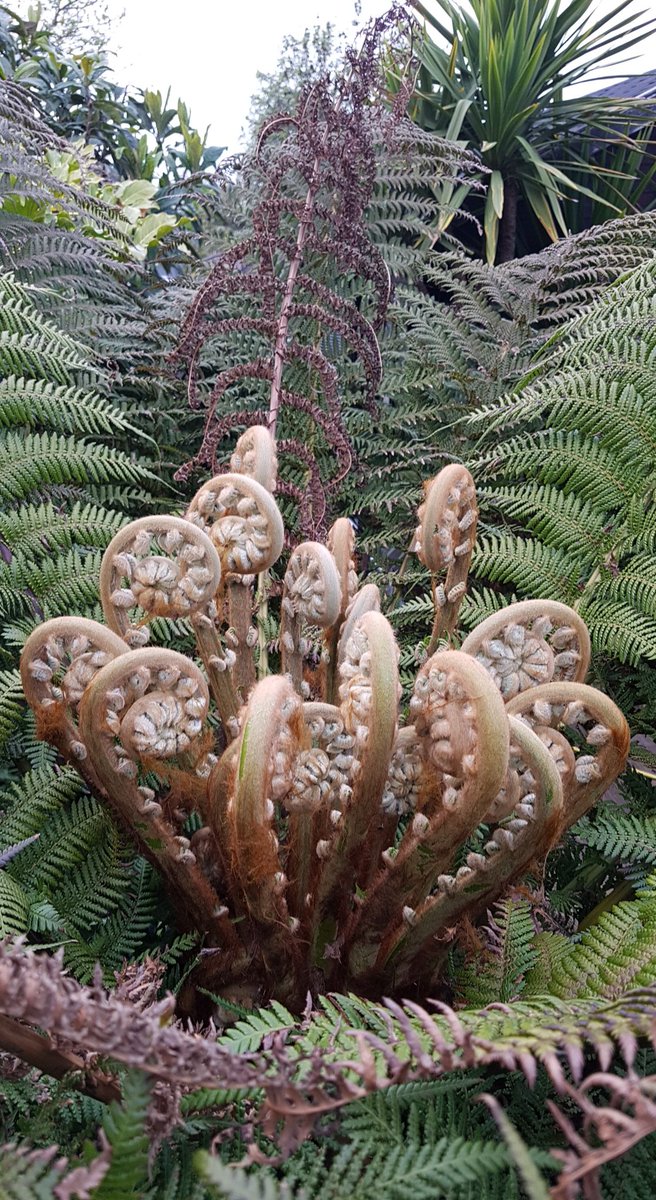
462, 737
244, 523
444, 541
159, 566
312, 592
405, 953
146, 709
530, 643
164, 566
264, 763
600, 723
59, 660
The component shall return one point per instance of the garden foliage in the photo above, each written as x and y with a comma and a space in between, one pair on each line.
519, 1060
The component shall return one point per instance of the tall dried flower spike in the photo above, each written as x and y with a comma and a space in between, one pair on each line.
444, 541
530, 643
287, 285
59, 660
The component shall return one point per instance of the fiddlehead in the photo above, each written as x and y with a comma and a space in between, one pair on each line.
146, 709
164, 566
530, 643
242, 520
461, 732
271, 736
408, 954
159, 566
369, 696
311, 593
597, 720
244, 523
366, 599
255, 455
444, 541
341, 543
59, 660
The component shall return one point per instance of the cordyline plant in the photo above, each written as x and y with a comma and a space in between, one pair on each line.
341, 844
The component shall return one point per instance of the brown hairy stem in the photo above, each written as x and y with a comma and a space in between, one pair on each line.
410, 954
219, 676
240, 615
38, 1051
462, 726
369, 695
270, 728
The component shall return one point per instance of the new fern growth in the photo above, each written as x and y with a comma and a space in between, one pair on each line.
336, 841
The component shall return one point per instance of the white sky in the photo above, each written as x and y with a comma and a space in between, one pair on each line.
208, 51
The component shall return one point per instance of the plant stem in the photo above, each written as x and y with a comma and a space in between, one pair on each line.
39, 1052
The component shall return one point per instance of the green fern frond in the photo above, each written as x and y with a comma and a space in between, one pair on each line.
32, 402
14, 907
498, 974
57, 583
35, 530
40, 460
620, 836
618, 630
26, 805
614, 955
12, 705
528, 565
560, 519
125, 1129
30, 1174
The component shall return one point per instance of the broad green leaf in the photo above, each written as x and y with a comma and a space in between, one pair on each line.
491, 228
496, 192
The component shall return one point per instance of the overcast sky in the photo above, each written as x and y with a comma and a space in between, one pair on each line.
209, 51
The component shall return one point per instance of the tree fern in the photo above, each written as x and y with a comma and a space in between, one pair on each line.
592, 465
562, 390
